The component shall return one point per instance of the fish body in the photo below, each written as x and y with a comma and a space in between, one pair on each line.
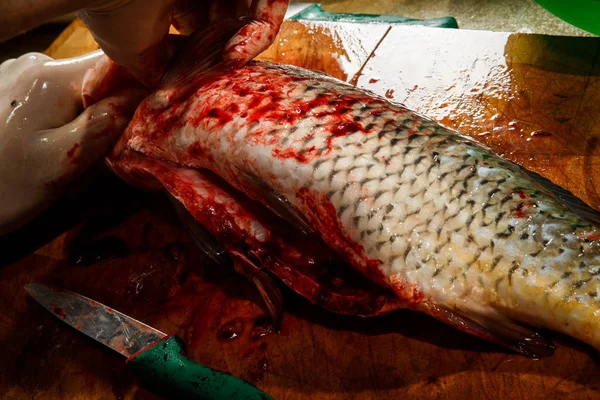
420, 211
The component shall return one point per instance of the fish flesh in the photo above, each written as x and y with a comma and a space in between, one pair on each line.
306, 178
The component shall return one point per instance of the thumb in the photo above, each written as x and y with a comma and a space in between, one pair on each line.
79, 144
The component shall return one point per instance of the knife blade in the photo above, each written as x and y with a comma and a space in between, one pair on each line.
155, 357
121, 333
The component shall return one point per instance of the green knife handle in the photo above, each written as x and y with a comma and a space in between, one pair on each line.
165, 369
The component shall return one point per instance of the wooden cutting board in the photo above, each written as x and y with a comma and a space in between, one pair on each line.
535, 99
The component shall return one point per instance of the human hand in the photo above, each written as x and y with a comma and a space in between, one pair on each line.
46, 138
134, 33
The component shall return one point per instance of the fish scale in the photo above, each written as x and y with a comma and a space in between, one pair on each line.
453, 229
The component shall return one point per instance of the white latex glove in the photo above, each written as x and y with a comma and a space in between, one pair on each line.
46, 139
134, 33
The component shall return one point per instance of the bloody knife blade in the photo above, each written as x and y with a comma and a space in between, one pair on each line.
156, 358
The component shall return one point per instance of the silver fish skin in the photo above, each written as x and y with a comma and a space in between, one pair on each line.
453, 229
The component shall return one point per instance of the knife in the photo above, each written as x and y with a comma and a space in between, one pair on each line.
156, 358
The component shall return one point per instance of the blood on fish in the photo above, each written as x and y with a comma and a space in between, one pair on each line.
303, 157
525, 207
280, 113
303, 263
521, 194
329, 225
410, 295
413, 131
378, 111
222, 117
345, 128
593, 237
241, 90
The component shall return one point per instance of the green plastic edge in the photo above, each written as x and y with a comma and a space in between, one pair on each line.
165, 370
316, 13
584, 14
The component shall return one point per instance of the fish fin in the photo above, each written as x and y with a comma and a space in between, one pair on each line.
199, 59
495, 328
572, 202
277, 203
200, 236
266, 286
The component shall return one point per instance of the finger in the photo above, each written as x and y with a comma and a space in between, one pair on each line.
134, 36
24, 61
224, 9
189, 16
104, 79
97, 79
71, 72
243, 7
75, 65
259, 33
65, 152
271, 11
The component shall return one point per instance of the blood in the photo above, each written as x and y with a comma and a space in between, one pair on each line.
256, 97
330, 227
303, 262
521, 194
414, 128
215, 314
378, 111
254, 101
276, 109
592, 237
230, 330
71, 153
540, 134
298, 260
241, 90
262, 328
222, 117
345, 128
410, 295
524, 208
59, 312
302, 157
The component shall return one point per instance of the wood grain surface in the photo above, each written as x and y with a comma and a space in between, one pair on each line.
535, 99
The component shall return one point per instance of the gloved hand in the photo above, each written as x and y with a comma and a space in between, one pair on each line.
134, 33
46, 138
